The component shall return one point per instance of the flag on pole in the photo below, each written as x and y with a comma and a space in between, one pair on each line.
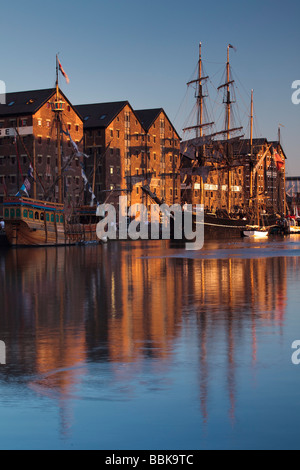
75, 146
84, 177
27, 185
30, 171
232, 47
62, 71
279, 162
23, 188
87, 185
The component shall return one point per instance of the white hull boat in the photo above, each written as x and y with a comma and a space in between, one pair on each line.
262, 234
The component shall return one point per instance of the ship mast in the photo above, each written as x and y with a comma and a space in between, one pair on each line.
200, 94
200, 100
57, 109
228, 130
200, 126
228, 125
228, 104
251, 152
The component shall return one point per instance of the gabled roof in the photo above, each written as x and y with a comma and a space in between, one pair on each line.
25, 102
28, 102
148, 116
100, 114
276, 144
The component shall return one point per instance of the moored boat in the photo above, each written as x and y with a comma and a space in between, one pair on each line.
258, 234
295, 229
41, 222
294, 224
30, 222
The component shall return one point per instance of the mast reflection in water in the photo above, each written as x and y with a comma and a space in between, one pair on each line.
137, 345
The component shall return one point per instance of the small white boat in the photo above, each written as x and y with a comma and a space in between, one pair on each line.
294, 229
256, 234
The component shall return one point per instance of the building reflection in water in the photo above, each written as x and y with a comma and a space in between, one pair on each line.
63, 309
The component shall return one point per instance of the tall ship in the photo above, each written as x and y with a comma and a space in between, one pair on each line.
50, 220
220, 168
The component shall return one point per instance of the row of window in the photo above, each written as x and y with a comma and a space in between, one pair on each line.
136, 154
24, 160
11, 140
39, 140
48, 141
32, 215
168, 141
171, 142
22, 122
48, 124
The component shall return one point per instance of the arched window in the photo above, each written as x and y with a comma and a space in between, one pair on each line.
36, 216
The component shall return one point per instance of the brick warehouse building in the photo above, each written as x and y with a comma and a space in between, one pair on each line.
163, 155
129, 150
30, 112
268, 186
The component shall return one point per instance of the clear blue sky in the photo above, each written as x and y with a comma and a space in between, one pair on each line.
145, 52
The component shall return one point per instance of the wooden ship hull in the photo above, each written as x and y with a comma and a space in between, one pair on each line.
30, 222
219, 228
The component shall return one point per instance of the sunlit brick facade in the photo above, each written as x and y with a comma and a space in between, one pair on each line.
268, 181
129, 150
30, 115
163, 149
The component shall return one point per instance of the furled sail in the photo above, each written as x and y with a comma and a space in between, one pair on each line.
134, 179
189, 147
196, 171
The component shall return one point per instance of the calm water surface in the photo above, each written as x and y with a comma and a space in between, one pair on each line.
146, 346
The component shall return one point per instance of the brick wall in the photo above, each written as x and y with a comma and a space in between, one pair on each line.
41, 145
125, 149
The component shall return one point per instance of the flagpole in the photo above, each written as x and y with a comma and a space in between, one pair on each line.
56, 84
59, 165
